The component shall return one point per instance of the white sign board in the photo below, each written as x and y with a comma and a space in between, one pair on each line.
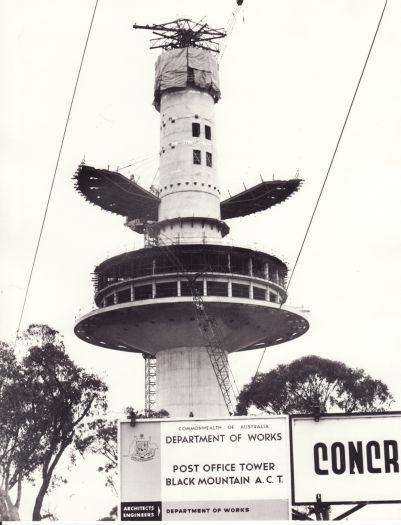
216, 469
346, 459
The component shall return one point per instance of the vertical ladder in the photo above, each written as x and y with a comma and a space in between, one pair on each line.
150, 383
209, 329
218, 357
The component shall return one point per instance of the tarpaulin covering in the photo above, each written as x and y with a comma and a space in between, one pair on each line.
179, 68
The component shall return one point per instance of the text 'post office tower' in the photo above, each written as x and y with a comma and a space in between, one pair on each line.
187, 299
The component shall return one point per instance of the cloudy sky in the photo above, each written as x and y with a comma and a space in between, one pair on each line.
287, 78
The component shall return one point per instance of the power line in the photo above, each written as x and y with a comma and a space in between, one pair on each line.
54, 175
260, 362
337, 145
330, 165
140, 160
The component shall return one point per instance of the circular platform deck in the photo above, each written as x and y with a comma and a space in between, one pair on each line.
158, 324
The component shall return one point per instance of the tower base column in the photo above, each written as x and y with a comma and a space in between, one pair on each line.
186, 383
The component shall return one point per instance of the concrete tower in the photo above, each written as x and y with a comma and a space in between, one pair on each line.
145, 297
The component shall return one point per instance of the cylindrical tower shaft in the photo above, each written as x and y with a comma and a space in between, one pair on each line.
189, 212
145, 299
188, 175
186, 383
186, 89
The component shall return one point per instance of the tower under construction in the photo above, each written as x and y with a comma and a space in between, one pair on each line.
187, 299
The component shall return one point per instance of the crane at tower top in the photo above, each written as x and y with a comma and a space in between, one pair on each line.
182, 33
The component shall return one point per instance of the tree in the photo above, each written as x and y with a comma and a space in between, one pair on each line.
101, 438
139, 414
313, 382
11, 471
44, 399
113, 515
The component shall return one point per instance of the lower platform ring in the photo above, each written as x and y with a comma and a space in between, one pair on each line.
150, 326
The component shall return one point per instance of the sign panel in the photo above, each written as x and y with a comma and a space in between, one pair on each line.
215, 469
346, 459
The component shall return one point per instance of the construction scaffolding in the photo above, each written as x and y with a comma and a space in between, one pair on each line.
218, 357
210, 332
190, 258
117, 194
150, 384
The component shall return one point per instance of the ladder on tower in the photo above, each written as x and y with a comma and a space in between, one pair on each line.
150, 383
210, 332
218, 357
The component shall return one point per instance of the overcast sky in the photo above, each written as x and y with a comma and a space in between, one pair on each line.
287, 79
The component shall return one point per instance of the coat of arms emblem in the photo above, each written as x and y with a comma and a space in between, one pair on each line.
142, 449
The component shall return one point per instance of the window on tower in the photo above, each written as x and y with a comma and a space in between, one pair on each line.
208, 132
186, 290
124, 296
240, 290
259, 293
109, 300
273, 297
195, 129
209, 162
143, 292
217, 288
197, 156
168, 289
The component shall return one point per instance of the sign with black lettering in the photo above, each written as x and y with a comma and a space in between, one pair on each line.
346, 458
216, 469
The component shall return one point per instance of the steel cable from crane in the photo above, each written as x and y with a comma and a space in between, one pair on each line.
139, 161
330, 165
229, 30
214, 341
145, 171
54, 174
154, 179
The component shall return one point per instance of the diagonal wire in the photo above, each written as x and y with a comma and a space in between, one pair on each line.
219, 336
54, 175
260, 362
330, 165
337, 145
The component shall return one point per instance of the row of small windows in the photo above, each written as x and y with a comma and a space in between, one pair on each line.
195, 259
170, 289
197, 157
196, 130
162, 264
188, 183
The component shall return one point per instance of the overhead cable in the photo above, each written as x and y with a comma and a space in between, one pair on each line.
330, 165
337, 145
54, 174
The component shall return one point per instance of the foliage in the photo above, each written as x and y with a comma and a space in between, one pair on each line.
138, 414
39, 334
16, 462
313, 382
112, 515
43, 401
101, 438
